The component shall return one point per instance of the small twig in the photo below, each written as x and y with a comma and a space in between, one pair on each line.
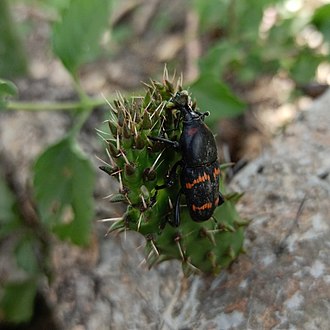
283, 242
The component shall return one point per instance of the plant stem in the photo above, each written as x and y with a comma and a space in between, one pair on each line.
84, 109
53, 106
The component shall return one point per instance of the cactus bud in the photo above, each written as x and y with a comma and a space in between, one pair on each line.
112, 127
108, 169
146, 121
114, 152
117, 198
169, 86
139, 142
129, 169
126, 131
149, 175
121, 117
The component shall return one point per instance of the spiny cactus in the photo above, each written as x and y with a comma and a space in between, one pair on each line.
139, 164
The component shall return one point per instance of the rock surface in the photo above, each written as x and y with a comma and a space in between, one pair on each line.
282, 282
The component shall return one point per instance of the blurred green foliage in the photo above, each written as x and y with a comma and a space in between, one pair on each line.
76, 36
69, 177
321, 21
13, 61
243, 40
17, 290
63, 176
259, 38
7, 90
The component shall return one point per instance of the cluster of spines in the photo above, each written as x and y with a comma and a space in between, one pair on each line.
133, 159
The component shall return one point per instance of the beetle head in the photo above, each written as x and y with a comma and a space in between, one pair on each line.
181, 100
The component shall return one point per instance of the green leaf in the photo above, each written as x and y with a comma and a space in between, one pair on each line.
245, 18
9, 220
211, 13
25, 253
18, 300
214, 96
13, 61
7, 88
321, 19
220, 56
63, 182
304, 66
76, 37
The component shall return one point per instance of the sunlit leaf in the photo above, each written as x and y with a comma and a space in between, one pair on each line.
214, 96
304, 67
321, 19
7, 89
76, 36
64, 181
18, 300
219, 57
25, 253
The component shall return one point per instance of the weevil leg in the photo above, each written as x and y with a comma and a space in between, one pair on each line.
220, 202
169, 181
176, 221
173, 144
153, 199
221, 199
171, 177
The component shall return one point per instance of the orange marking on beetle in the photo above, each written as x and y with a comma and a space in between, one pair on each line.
203, 178
216, 172
205, 206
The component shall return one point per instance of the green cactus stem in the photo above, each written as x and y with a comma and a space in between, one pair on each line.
139, 164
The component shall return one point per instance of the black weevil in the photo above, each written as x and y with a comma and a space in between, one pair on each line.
199, 164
